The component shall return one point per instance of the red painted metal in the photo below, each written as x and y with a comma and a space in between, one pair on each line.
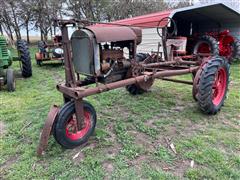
219, 86
72, 131
225, 43
38, 56
80, 92
149, 20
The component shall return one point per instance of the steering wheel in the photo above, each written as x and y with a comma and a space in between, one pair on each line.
174, 31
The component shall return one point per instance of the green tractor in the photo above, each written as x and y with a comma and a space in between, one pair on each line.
7, 76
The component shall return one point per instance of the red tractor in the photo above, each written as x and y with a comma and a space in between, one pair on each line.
219, 43
50, 52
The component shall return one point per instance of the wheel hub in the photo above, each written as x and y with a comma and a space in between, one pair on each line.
219, 86
72, 130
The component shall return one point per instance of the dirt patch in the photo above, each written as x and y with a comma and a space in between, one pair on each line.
160, 165
108, 167
180, 167
187, 131
58, 78
77, 157
143, 140
150, 123
110, 129
123, 111
2, 128
181, 106
230, 124
5, 166
139, 160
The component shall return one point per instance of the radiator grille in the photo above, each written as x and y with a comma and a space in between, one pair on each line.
3, 47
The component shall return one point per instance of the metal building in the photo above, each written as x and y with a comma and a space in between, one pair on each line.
199, 19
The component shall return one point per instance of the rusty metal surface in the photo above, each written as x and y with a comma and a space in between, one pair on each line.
177, 81
112, 54
146, 84
113, 34
79, 113
82, 92
69, 71
46, 131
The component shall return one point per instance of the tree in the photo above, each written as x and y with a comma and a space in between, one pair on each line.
105, 10
10, 20
26, 16
93, 10
44, 13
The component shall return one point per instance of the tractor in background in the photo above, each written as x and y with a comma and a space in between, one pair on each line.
7, 76
50, 52
218, 43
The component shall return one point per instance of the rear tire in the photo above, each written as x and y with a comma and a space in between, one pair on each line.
236, 51
65, 123
206, 44
25, 58
213, 85
11, 83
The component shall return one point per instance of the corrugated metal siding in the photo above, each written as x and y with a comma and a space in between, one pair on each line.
150, 40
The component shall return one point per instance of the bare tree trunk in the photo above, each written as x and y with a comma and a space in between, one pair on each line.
9, 32
54, 30
45, 35
51, 33
17, 30
41, 31
1, 30
27, 29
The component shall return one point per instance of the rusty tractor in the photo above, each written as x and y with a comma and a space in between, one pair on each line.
98, 53
50, 52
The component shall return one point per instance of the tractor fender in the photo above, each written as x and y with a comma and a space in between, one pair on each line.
46, 131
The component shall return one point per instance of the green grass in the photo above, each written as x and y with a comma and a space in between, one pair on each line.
130, 136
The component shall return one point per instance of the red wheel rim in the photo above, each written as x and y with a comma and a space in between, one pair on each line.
71, 127
219, 86
204, 48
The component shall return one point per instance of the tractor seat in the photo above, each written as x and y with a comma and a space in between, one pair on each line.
178, 44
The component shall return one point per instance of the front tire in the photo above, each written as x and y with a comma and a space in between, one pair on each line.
25, 58
213, 85
11, 82
65, 128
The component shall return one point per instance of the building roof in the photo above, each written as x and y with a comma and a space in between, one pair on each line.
218, 12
